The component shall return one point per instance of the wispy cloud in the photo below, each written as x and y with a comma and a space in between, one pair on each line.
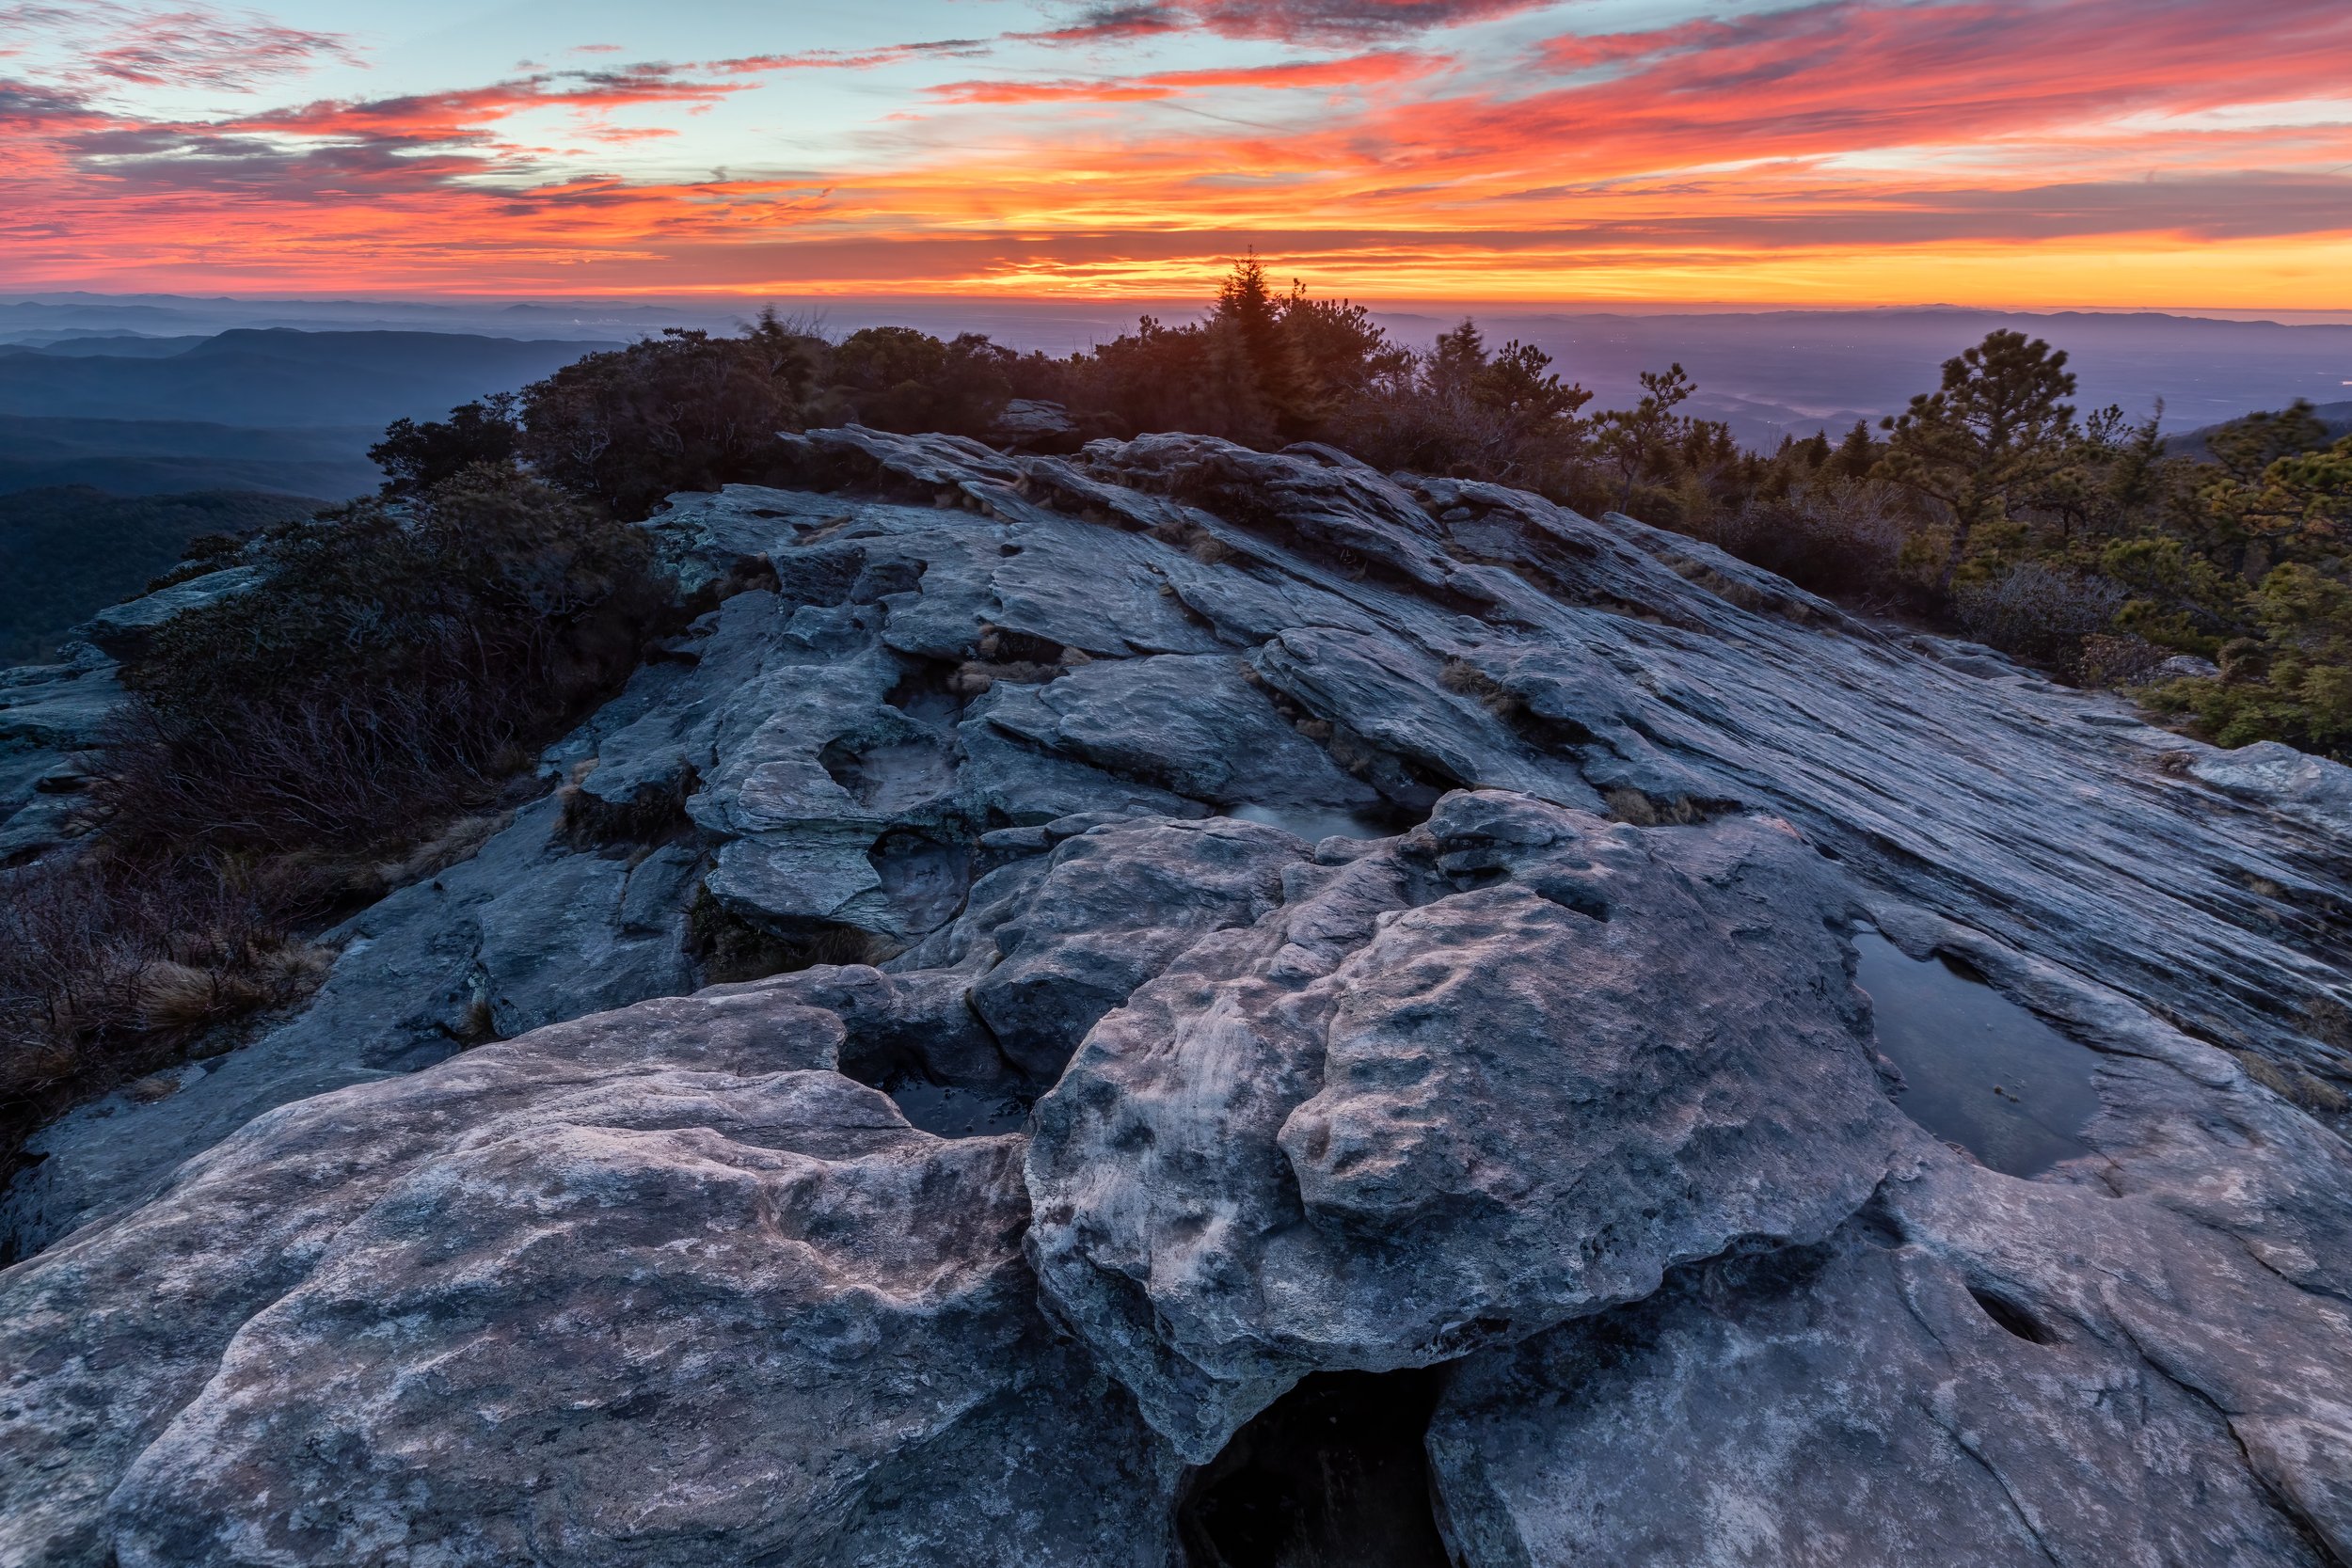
854, 59
1855, 149
192, 46
1355, 71
1341, 21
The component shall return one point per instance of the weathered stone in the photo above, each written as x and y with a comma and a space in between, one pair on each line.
124, 630
52, 719
1500, 1073
1190, 725
1583, 1113
1116, 906
1985, 1372
1035, 424
2309, 788
695, 1296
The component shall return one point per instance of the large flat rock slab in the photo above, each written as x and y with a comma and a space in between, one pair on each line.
659, 1286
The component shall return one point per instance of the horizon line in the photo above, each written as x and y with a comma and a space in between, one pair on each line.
1197, 300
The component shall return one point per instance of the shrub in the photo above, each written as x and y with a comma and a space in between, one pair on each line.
2293, 684
110, 963
397, 660
683, 411
1834, 535
2109, 660
416, 457
285, 750
896, 378
2039, 613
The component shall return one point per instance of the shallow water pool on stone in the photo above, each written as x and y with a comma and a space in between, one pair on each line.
1316, 823
1982, 1071
946, 1112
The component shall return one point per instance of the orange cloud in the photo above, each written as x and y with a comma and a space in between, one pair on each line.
1999, 151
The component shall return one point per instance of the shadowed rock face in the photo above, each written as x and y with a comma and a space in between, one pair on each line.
1554, 1114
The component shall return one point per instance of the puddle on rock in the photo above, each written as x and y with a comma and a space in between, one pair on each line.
947, 1112
1984, 1072
1333, 1473
1316, 823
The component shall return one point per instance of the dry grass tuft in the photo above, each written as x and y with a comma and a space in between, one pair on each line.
459, 841
2293, 1086
112, 967
974, 676
1463, 677
1642, 811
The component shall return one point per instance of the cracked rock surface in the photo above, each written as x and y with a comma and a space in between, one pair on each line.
1392, 924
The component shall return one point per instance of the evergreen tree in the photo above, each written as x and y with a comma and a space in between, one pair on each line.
1982, 441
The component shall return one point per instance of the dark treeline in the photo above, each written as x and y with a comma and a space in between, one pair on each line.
295, 751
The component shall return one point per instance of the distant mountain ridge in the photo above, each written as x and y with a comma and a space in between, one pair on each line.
113, 452
278, 377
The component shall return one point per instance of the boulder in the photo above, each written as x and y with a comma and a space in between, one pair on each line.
1500, 1073
2296, 783
656, 1286
125, 630
1118, 903
1980, 1372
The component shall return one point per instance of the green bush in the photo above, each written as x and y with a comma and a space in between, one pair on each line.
2294, 683
898, 378
683, 411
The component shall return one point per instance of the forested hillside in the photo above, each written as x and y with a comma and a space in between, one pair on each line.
66, 551
161, 457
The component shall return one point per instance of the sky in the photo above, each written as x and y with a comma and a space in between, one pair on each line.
2015, 153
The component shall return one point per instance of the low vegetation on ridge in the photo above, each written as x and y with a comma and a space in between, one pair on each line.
1992, 506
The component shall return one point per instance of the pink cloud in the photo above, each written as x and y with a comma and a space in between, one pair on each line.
1355, 71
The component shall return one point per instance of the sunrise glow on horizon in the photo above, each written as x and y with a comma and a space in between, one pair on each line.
2096, 154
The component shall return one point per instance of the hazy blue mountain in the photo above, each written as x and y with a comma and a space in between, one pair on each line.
1765, 371
276, 377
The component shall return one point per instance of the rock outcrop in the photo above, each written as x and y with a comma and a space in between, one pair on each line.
1499, 1072
53, 716
1400, 927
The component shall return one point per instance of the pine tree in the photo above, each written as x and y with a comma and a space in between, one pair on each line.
1985, 439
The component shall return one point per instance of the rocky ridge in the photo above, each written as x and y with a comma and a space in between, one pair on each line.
1399, 923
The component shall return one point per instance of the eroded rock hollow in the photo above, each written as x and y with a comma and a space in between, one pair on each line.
1183, 1006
